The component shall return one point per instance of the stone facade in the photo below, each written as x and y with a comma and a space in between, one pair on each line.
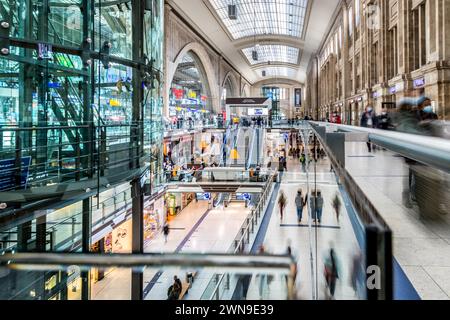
181, 38
379, 51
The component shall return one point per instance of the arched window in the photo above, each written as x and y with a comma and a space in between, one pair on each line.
189, 91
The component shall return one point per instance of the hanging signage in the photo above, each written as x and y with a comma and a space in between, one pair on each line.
7, 170
298, 97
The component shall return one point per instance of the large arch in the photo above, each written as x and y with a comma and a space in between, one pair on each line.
234, 82
203, 56
245, 92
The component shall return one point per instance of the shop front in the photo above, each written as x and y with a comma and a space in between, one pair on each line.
114, 239
154, 218
176, 202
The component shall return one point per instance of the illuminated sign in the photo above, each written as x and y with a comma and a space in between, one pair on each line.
192, 94
418, 83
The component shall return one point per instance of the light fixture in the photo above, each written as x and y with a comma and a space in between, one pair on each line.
255, 55
264, 73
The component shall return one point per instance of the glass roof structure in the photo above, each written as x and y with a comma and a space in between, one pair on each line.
273, 72
272, 53
263, 17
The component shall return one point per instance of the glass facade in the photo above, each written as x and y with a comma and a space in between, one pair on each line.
80, 122
76, 93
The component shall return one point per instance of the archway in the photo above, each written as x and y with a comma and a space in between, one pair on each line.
193, 54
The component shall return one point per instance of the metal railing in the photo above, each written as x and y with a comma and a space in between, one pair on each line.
238, 246
431, 151
230, 263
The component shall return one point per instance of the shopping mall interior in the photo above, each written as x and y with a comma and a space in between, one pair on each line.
224, 150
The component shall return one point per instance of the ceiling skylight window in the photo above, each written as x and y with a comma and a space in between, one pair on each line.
263, 17
272, 53
282, 72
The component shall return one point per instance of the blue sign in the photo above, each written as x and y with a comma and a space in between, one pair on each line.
418, 83
7, 173
54, 85
203, 196
243, 196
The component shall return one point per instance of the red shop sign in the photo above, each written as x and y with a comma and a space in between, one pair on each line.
178, 93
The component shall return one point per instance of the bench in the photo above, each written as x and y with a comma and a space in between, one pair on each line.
186, 285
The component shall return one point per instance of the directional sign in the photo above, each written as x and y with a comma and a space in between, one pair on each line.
7, 173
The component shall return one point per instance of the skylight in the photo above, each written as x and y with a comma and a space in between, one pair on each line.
273, 53
282, 72
263, 17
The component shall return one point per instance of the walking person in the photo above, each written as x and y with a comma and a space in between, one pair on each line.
303, 162
331, 272
175, 289
316, 204
337, 206
300, 203
369, 120
166, 231
282, 201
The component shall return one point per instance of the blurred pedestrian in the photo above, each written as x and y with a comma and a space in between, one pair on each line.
282, 201
166, 231
300, 203
337, 205
369, 120
316, 205
331, 271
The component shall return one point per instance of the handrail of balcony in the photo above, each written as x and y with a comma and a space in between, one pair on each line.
432, 151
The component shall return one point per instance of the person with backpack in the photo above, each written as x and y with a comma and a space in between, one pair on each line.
300, 203
175, 289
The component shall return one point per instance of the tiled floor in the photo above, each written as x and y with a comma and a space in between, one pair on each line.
421, 246
195, 229
303, 243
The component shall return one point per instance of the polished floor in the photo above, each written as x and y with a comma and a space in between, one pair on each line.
421, 246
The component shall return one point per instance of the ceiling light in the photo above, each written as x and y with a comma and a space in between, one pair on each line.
232, 12
255, 55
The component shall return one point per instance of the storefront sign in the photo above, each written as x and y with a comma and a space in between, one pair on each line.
178, 93
114, 103
192, 94
393, 90
7, 173
418, 83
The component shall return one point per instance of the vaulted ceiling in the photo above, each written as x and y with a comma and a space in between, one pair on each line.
284, 33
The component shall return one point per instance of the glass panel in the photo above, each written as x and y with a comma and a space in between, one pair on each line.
272, 53
257, 17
